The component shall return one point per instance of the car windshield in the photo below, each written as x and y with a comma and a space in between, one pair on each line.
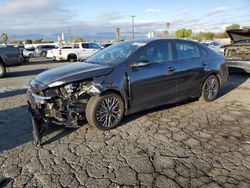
115, 54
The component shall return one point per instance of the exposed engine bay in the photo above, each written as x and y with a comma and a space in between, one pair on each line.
65, 104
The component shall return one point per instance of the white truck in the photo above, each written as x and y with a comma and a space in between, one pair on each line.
78, 51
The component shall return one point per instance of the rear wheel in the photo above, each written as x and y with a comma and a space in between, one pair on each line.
43, 54
105, 112
210, 88
72, 58
2, 70
31, 56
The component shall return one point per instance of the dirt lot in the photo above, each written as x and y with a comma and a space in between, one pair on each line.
192, 144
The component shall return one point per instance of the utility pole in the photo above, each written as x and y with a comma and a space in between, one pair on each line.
69, 29
133, 26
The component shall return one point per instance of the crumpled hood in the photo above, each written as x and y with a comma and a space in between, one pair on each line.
239, 34
73, 72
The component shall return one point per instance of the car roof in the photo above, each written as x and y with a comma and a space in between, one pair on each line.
152, 40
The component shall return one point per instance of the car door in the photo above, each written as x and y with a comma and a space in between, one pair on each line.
152, 77
192, 64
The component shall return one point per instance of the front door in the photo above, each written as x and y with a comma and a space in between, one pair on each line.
152, 77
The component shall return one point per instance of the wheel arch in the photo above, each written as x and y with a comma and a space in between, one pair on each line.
72, 54
2, 61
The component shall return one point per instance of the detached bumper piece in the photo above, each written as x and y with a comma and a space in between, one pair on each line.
38, 125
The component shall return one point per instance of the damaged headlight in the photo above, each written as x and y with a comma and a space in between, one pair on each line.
56, 84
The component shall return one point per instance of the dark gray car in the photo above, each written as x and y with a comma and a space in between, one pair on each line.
125, 78
9, 56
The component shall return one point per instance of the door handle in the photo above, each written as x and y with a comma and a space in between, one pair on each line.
204, 64
171, 69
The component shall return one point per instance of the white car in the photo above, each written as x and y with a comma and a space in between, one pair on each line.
29, 52
79, 51
52, 54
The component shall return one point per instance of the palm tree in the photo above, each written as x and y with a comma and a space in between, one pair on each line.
118, 33
4, 38
168, 25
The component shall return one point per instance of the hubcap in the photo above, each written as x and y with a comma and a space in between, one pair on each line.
211, 88
108, 112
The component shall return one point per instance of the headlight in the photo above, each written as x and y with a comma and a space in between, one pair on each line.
221, 50
57, 83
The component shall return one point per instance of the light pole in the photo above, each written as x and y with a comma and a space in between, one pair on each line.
133, 26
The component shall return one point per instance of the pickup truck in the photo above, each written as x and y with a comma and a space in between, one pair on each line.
9, 56
78, 51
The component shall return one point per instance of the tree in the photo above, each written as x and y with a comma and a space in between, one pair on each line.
4, 38
38, 41
183, 33
233, 26
78, 39
245, 27
28, 41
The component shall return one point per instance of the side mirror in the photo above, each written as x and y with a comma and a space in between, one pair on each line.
142, 63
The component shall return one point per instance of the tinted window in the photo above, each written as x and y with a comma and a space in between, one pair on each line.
67, 47
85, 45
186, 50
94, 46
76, 45
157, 54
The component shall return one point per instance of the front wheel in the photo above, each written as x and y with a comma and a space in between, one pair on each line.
106, 111
2, 70
210, 88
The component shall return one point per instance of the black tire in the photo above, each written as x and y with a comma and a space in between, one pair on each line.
72, 58
43, 54
31, 56
112, 117
2, 70
210, 88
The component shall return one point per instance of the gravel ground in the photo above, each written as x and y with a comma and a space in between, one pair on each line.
190, 144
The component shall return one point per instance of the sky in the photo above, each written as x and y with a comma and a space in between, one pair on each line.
84, 17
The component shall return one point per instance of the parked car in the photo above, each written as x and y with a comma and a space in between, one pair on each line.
29, 52
52, 54
79, 51
42, 49
213, 45
125, 78
107, 45
9, 56
237, 53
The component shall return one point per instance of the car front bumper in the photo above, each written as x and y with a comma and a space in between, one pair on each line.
244, 65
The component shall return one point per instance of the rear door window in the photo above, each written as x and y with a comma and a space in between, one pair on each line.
94, 46
85, 45
186, 50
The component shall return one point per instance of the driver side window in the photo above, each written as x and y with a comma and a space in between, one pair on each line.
160, 53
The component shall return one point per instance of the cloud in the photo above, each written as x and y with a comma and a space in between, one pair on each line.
151, 10
216, 10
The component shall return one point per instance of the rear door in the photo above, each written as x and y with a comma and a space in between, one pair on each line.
191, 62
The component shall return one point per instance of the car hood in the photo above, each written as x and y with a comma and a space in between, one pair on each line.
239, 34
73, 72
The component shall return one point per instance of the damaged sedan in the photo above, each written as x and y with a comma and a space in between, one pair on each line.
237, 54
122, 79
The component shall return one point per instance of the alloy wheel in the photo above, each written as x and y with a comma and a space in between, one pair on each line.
108, 112
211, 88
